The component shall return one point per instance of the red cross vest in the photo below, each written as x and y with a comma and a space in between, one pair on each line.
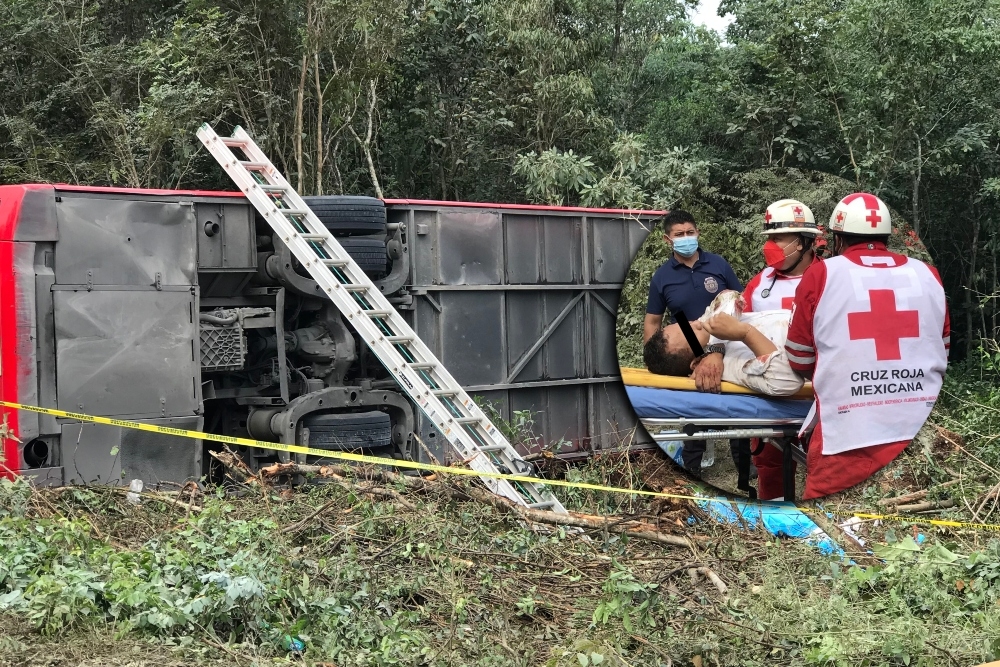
880, 357
765, 292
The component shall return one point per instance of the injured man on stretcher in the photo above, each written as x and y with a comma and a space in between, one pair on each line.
748, 351
745, 349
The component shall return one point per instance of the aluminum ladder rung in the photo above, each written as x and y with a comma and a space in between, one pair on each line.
542, 505
250, 165
442, 401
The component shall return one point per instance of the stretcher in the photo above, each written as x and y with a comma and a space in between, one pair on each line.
673, 411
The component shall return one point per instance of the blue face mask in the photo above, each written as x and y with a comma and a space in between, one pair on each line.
685, 246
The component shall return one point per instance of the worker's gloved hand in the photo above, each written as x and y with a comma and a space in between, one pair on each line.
708, 373
726, 327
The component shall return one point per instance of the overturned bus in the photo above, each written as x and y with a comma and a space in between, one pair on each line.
179, 308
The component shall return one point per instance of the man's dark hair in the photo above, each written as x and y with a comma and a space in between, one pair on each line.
661, 361
677, 217
854, 239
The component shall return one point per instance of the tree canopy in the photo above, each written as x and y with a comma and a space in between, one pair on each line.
594, 102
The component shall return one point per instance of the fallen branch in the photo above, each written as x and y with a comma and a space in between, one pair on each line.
841, 537
635, 529
994, 495
656, 650
694, 580
172, 500
916, 495
929, 505
426, 450
662, 538
236, 468
714, 578
291, 528
276, 470
610, 524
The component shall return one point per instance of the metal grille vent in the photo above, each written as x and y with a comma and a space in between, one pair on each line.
222, 348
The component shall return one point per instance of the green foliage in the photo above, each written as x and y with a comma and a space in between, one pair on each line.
625, 598
371, 583
595, 102
933, 581
635, 179
970, 401
554, 177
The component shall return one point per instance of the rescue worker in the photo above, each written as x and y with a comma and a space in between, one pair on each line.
791, 236
792, 233
687, 283
871, 329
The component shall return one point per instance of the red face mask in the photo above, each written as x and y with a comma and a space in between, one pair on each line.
774, 254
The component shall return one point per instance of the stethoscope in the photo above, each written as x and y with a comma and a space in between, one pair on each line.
767, 291
764, 294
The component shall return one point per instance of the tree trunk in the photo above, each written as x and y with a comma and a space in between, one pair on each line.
616, 42
970, 285
319, 127
299, 158
335, 157
366, 143
993, 301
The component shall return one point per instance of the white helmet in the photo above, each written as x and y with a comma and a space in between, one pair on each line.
862, 214
789, 216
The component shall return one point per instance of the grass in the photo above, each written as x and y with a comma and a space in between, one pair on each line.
88, 578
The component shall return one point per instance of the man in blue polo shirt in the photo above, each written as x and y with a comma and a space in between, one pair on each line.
687, 282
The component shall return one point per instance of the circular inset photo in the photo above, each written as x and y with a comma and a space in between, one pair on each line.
787, 348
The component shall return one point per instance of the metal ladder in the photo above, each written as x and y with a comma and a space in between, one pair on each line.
419, 373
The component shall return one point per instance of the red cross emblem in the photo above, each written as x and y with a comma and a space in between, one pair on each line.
786, 303
884, 324
840, 216
871, 203
767, 216
797, 210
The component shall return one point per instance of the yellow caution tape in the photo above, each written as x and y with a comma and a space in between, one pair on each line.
468, 472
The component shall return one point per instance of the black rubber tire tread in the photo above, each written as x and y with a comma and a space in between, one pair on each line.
350, 431
349, 215
369, 253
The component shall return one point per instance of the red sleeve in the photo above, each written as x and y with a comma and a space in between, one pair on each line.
946, 334
748, 291
800, 346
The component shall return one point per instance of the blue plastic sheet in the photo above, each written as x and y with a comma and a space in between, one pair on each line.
779, 519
